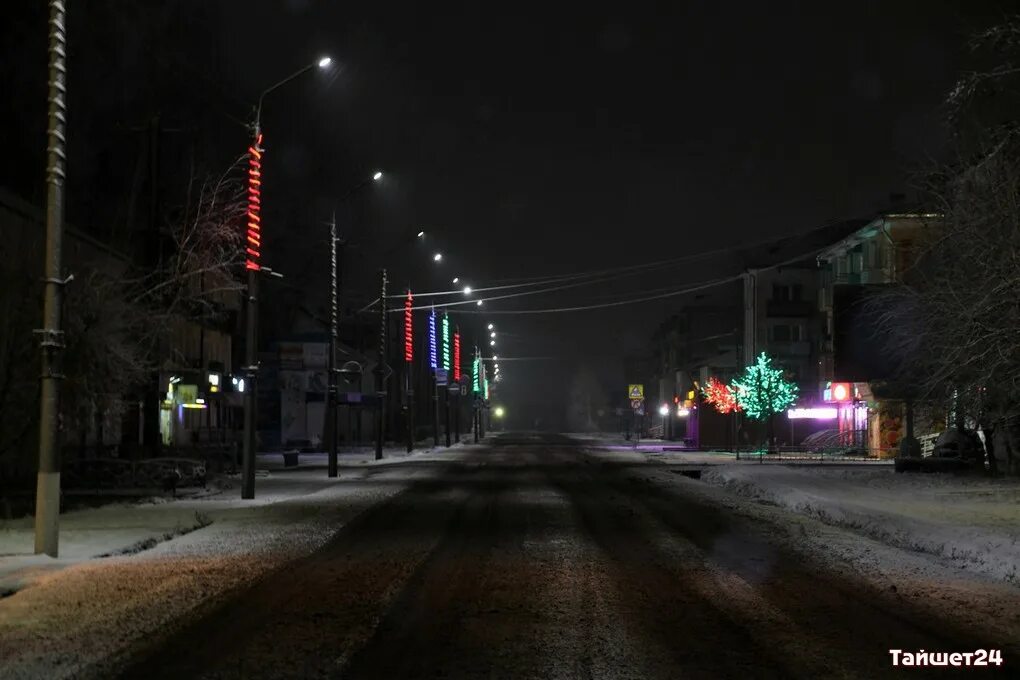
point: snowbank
(971, 522)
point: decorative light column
(408, 367)
(253, 255)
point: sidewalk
(119, 529)
(971, 522)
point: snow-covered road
(531, 556)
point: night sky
(528, 139)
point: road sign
(636, 392)
(440, 377)
(637, 403)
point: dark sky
(531, 139)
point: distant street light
(456, 279)
(377, 176)
(490, 326)
(467, 290)
(479, 303)
(499, 412)
(492, 343)
(663, 410)
(421, 234)
(324, 62)
(437, 257)
(492, 335)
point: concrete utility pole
(334, 323)
(380, 372)
(251, 369)
(47, 494)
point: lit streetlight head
(492, 335)
(421, 234)
(480, 303)
(456, 279)
(490, 326)
(467, 290)
(325, 62)
(663, 410)
(498, 412)
(492, 343)
(377, 176)
(437, 257)
(495, 358)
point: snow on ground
(971, 522)
(72, 615)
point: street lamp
(492, 335)
(421, 234)
(492, 343)
(456, 279)
(253, 265)
(437, 257)
(480, 302)
(467, 290)
(490, 326)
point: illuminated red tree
(721, 396)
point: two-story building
(852, 269)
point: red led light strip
(253, 251)
(456, 356)
(408, 335)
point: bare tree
(117, 317)
(953, 322)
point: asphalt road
(532, 559)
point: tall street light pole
(381, 372)
(336, 245)
(47, 494)
(253, 257)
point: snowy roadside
(946, 588)
(72, 616)
(971, 523)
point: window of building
(793, 292)
(787, 332)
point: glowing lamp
(814, 413)
(253, 235)
(324, 62)
(841, 391)
(663, 410)
(498, 412)
(682, 412)
(446, 342)
(377, 176)
(456, 356)
(408, 331)
(433, 354)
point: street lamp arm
(292, 76)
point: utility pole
(380, 372)
(47, 494)
(251, 369)
(252, 266)
(334, 322)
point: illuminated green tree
(762, 392)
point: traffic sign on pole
(636, 392)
